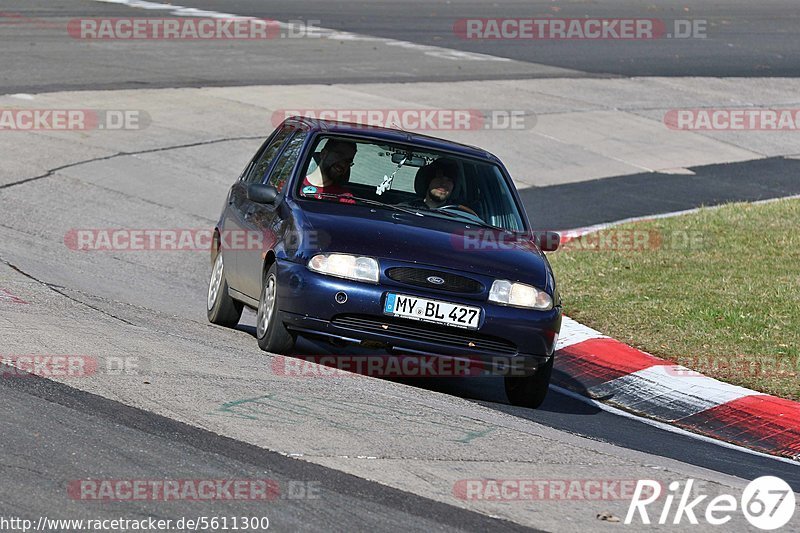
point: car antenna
(397, 127)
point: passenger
(441, 176)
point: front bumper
(525, 338)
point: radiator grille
(419, 278)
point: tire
(271, 332)
(529, 391)
(222, 310)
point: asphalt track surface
(586, 203)
(52, 432)
(743, 39)
(69, 433)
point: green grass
(726, 303)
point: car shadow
(488, 391)
(251, 330)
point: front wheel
(271, 332)
(221, 308)
(529, 391)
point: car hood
(428, 240)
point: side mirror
(262, 194)
(547, 241)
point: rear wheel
(221, 308)
(530, 391)
(271, 332)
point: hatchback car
(379, 237)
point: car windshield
(406, 178)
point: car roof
(389, 134)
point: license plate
(438, 312)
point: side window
(286, 162)
(265, 161)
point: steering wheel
(471, 214)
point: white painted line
(668, 427)
(669, 392)
(680, 378)
(573, 332)
(324, 33)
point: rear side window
(259, 171)
(286, 161)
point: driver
(441, 182)
(333, 169)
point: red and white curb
(598, 367)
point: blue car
(388, 239)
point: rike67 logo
(768, 503)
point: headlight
(519, 295)
(346, 266)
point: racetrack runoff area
(547, 131)
(173, 172)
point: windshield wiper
(467, 220)
(370, 202)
